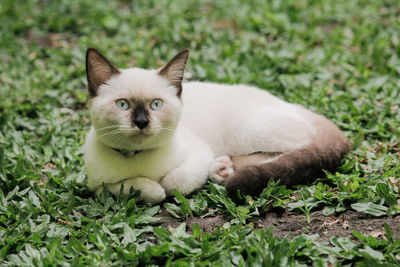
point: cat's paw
(221, 169)
(156, 195)
(150, 191)
(183, 179)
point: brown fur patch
(173, 70)
(98, 70)
(294, 167)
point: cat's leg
(221, 168)
(191, 174)
(150, 191)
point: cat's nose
(141, 122)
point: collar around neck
(126, 153)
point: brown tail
(293, 167)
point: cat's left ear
(98, 70)
(174, 69)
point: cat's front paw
(221, 169)
(183, 179)
(150, 191)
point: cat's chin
(141, 140)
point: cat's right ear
(174, 69)
(98, 70)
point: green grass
(339, 58)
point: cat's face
(134, 109)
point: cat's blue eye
(122, 104)
(156, 104)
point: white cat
(254, 135)
(136, 138)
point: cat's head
(134, 109)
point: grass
(339, 58)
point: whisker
(107, 127)
(110, 133)
(122, 126)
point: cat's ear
(98, 70)
(174, 69)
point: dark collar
(126, 153)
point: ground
(337, 58)
(291, 224)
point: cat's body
(241, 120)
(264, 136)
(254, 135)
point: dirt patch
(293, 224)
(327, 227)
(208, 224)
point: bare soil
(292, 224)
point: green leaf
(185, 205)
(35, 200)
(328, 211)
(144, 219)
(161, 232)
(180, 231)
(131, 207)
(382, 189)
(57, 231)
(129, 235)
(371, 253)
(389, 232)
(370, 208)
(152, 211)
(173, 209)
(196, 231)
(2, 170)
(391, 200)
(344, 243)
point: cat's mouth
(142, 133)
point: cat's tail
(293, 167)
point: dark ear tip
(91, 50)
(184, 54)
(186, 51)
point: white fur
(240, 119)
(180, 164)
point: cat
(253, 135)
(136, 138)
